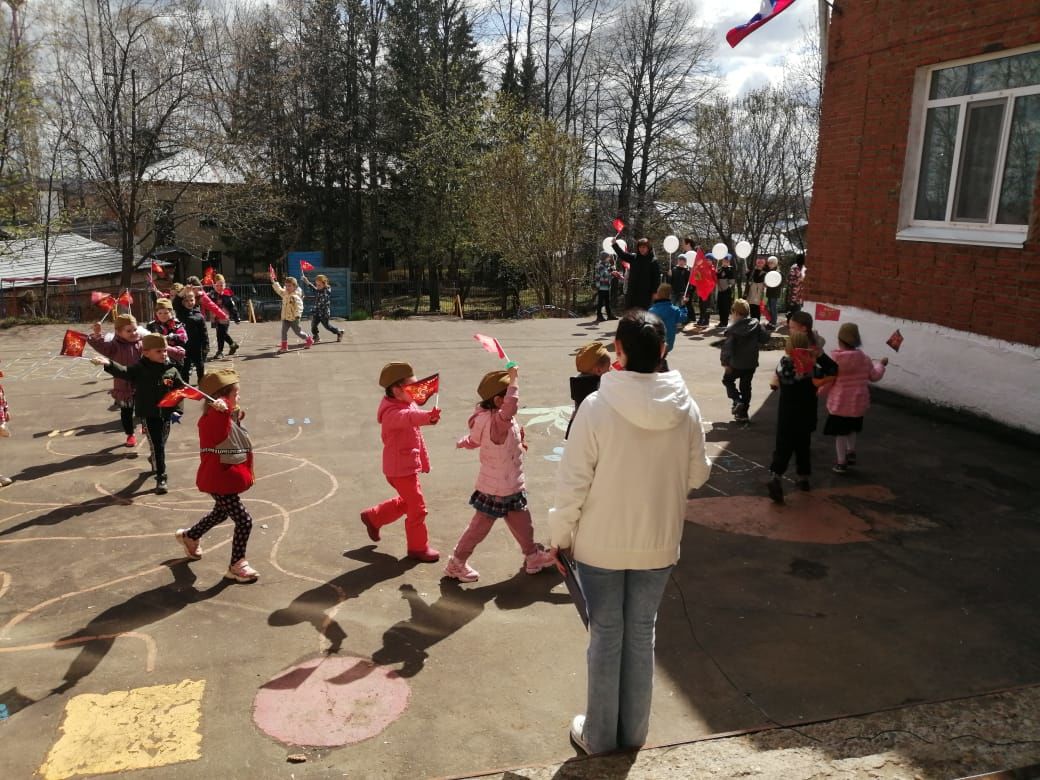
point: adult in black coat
(644, 274)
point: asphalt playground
(907, 584)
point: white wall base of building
(996, 379)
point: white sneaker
(192, 547)
(578, 736)
(461, 571)
(241, 571)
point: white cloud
(761, 57)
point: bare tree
(130, 76)
(660, 63)
(19, 158)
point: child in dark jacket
(592, 362)
(198, 337)
(404, 457)
(225, 471)
(152, 377)
(740, 357)
(167, 325)
(796, 413)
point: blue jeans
(622, 612)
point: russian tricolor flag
(769, 10)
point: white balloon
(623, 244)
(743, 249)
(720, 250)
(671, 243)
(608, 244)
(773, 279)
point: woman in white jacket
(620, 509)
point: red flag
(305, 266)
(73, 343)
(422, 390)
(895, 340)
(126, 299)
(156, 268)
(174, 397)
(625, 264)
(270, 270)
(804, 360)
(704, 275)
(618, 224)
(103, 300)
(825, 312)
(491, 345)
(769, 10)
(207, 278)
(616, 365)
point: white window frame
(948, 231)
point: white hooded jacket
(635, 450)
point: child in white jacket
(292, 310)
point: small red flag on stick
(491, 345)
(305, 266)
(126, 299)
(156, 268)
(618, 224)
(804, 360)
(174, 397)
(825, 312)
(422, 390)
(895, 340)
(73, 343)
(207, 278)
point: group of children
(803, 373)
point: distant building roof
(191, 166)
(71, 257)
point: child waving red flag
(176, 395)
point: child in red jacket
(404, 456)
(225, 471)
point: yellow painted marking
(127, 730)
(69, 433)
(52, 434)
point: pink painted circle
(330, 701)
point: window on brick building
(974, 151)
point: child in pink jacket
(499, 491)
(404, 456)
(848, 397)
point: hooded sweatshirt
(743, 340)
(621, 489)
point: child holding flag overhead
(292, 310)
(151, 378)
(322, 306)
(124, 347)
(500, 490)
(225, 472)
(404, 457)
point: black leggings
(603, 301)
(158, 431)
(196, 359)
(226, 506)
(322, 320)
(797, 443)
(126, 417)
(223, 337)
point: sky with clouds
(759, 58)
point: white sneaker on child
(538, 560)
(460, 570)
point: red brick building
(926, 205)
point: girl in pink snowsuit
(404, 456)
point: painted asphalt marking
(843, 515)
(126, 730)
(330, 701)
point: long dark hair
(641, 335)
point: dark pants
(603, 301)
(192, 358)
(323, 320)
(705, 317)
(223, 337)
(226, 506)
(741, 377)
(126, 417)
(725, 299)
(796, 443)
(756, 311)
(158, 430)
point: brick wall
(875, 48)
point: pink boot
(309, 343)
(284, 347)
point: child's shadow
(407, 641)
(312, 605)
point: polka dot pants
(227, 506)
